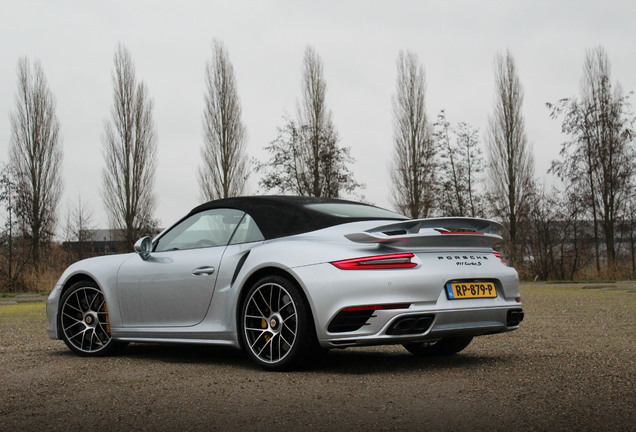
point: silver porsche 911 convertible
(286, 277)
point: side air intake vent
(348, 321)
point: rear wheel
(84, 322)
(276, 325)
(442, 347)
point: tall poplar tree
(225, 168)
(130, 147)
(36, 154)
(413, 168)
(511, 164)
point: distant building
(99, 242)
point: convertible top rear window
(353, 211)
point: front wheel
(276, 324)
(442, 347)
(84, 322)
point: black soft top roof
(281, 216)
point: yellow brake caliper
(264, 325)
(107, 320)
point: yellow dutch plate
(470, 290)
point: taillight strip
(498, 255)
(377, 307)
(377, 262)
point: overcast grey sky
(358, 42)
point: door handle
(203, 271)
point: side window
(247, 231)
(205, 229)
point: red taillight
(498, 255)
(377, 307)
(392, 261)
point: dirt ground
(570, 367)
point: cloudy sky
(358, 42)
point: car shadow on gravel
(187, 354)
(176, 353)
(350, 361)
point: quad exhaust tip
(515, 316)
(412, 324)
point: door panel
(165, 291)
(174, 286)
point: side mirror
(143, 247)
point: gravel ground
(570, 367)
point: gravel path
(570, 367)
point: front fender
(103, 270)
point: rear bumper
(445, 323)
(418, 292)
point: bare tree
(305, 157)
(599, 156)
(511, 165)
(36, 153)
(314, 116)
(413, 168)
(630, 228)
(224, 172)
(79, 222)
(129, 153)
(15, 254)
(461, 164)
(556, 235)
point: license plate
(469, 290)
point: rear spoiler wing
(433, 232)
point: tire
(276, 326)
(83, 321)
(442, 347)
